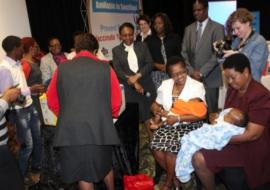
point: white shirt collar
(128, 47)
(204, 23)
(148, 34)
(12, 61)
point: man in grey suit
(198, 52)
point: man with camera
(197, 50)
(22, 113)
(10, 177)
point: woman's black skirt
(90, 163)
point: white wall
(219, 11)
(13, 20)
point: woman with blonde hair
(247, 41)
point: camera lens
(223, 45)
(20, 100)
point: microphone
(147, 94)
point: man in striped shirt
(10, 177)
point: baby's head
(236, 117)
(195, 100)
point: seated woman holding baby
(214, 136)
(244, 163)
(178, 89)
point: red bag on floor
(138, 182)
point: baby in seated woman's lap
(224, 125)
(194, 106)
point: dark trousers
(50, 160)
(10, 177)
(212, 99)
(233, 178)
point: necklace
(177, 90)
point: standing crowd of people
(176, 86)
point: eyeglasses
(180, 73)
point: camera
(222, 45)
(20, 100)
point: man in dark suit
(198, 52)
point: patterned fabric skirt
(167, 138)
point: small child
(194, 106)
(233, 116)
(230, 122)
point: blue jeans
(28, 131)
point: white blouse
(192, 89)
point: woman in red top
(249, 151)
(30, 64)
(33, 77)
(85, 94)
